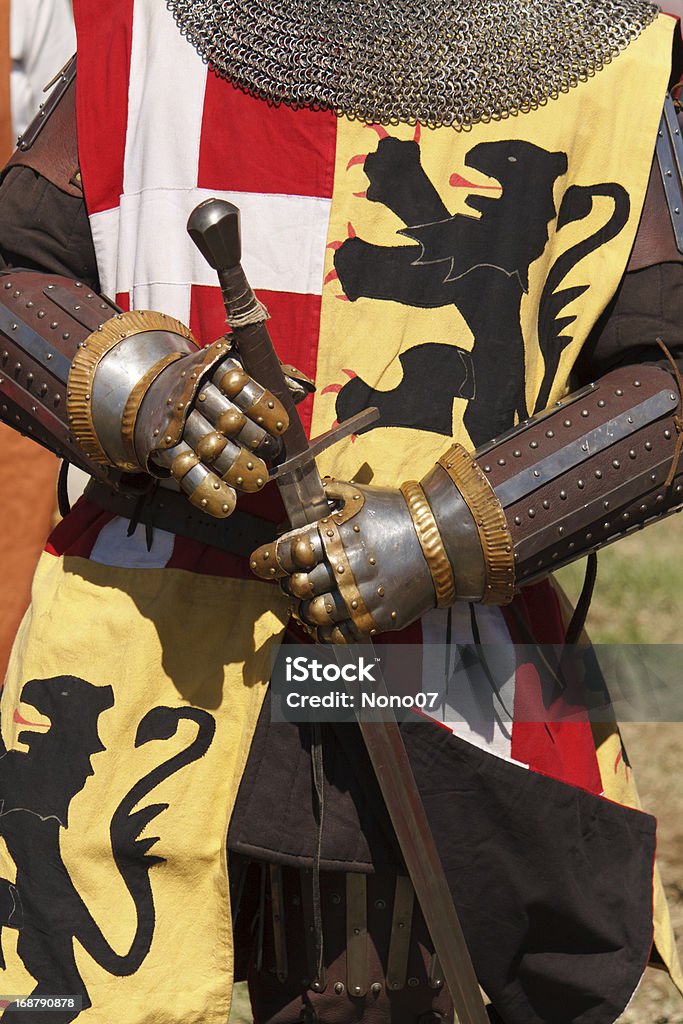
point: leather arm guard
(120, 393)
(596, 466)
(44, 319)
(599, 464)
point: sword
(214, 226)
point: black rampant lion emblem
(478, 263)
(36, 790)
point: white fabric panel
(283, 239)
(42, 38)
(105, 234)
(474, 711)
(113, 547)
(167, 75)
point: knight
(468, 217)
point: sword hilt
(214, 227)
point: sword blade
(214, 226)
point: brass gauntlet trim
(489, 517)
(88, 357)
(431, 542)
(345, 580)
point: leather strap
(655, 242)
(239, 535)
(49, 145)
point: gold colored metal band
(489, 517)
(344, 578)
(89, 356)
(431, 543)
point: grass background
(638, 599)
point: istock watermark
(337, 684)
(481, 687)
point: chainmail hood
(440, 62)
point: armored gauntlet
(131, 392)
(592, 468)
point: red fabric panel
(77, 534)
(564, 750)
(254, 159)
(293, 326)
(104, 50)
(198, 558)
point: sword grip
(214, 227)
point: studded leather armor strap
(591, 469)
(43, 321)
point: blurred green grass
(638, 599)
(639, 589)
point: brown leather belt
(165, 510)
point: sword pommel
(214, 227)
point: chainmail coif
(440, 62)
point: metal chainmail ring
(439, 62)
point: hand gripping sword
(214, 227)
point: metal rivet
(660, 497)
(567, 423)
(616, 463)
(619, 392)
(336, 899)
(563, 495)
(601, 403)
(518, 521)
(605, 504)
(631, 454)
(533, 444)
(584, 412)
(372, 561)
(376, 988)
(636, 383)
(598, 474)
(381, 591)
(339, 988)
(626, 517)
(667, 434)
(580, 484)
(487, 469)
(546, 504)
(589, 536)
(413, 982)
(501, 462)
(531, 513)
(606, 526)
(560, 530)
(648, 446)
(517, 453)
(380, 905)
(550, 433)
